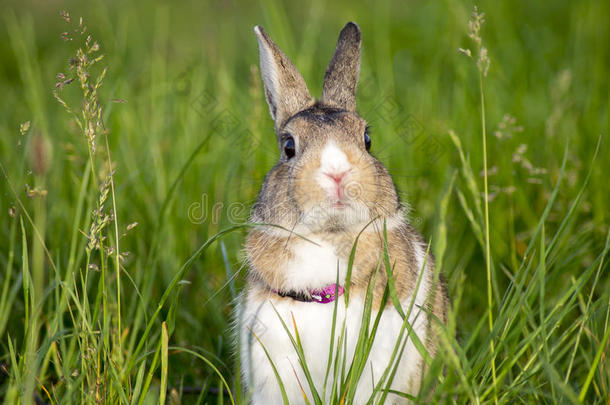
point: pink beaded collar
(321, 296)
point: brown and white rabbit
(325, 189)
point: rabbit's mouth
(335, 214)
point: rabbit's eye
(289, 149)
(367, 140)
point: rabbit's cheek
(307, 192)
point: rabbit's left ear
(342, 73)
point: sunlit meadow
(134, 137)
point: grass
(120, 265)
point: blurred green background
(183, 80)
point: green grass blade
(164, 363)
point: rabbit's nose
(337, 177)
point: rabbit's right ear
(285, 89)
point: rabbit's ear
(342, 73)
(285, 89)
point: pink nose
(337, 177)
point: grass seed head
(475, 24)
(24, 128)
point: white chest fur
(313, 267)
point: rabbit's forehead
(316, 124)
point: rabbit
(326, 191)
